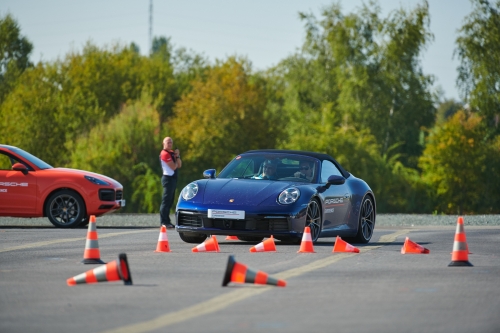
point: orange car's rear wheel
(65, 209)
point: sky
(264, 31)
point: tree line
(355, 90)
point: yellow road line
(66, 240)
(223, 301)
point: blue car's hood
(242, 191)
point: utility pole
(150, 27)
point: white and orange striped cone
(306, 246)
(92, 255)
(114, 271)
(210, 245)
(266, 246)
(163, 241)
(342, 246)
(460, 254)
(411, 247)
(240, 273)
(232, 238)
(461, 221)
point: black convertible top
(319, 156)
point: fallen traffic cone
(306, 246)
(239, 273)
(411, 247)
(163, 241)
(460, 254)
(266, 246)
(210, 245)
(92, 255)
(232, 238)
(113, 271)
(342, 246)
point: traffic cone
(163, 241)
(209, 245)
(92, 255)
(342, 246)
(411, 247)
(461, 220)
(266, 246)
(239, 273)
(232, 238)
(113, 271)
(306, 246)
(460, 254)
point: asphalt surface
(377, 290)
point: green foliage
(367, 68)
(462, 167)
(57, 102)
(478, 49)
(219, 118)
(14, 54)
(126, 149)
(447, 109)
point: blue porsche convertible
(277, 192)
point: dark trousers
(169, 184)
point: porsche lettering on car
(277, 192)
(29, 187)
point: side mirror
(335, 180)
(210, 173)
(20, 167)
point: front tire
(192, 237)
(65, 209)
(366, 221)
(313, 219)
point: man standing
(170, 161)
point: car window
(6, 161)
(328, 169)
(280, 167)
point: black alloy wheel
(65, 209)
(366, 221)
(313, 219)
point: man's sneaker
(169, 226)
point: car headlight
(96, 181)
(189, 191)
(289, 196)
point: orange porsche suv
(29, 187)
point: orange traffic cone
(266, 246)
(342, 246)
(306, 246)
(411, 247)
(163, 241)
(239, 273)
(461, 220)
(92, 255)
(113, 271)
(460, 254)
(231, 238)
(209, 245)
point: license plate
(226, 214)
(122, 203)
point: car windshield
(280, 167)
(30, 158)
